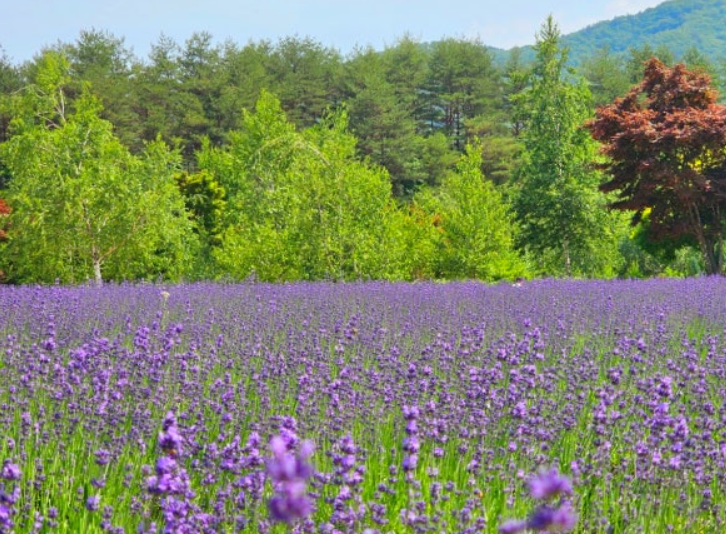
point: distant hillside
(676, 24)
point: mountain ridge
(679, 25)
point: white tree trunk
(96, 259)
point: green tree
(558, 206)
(205, 200)
(406, 69)
(304, 76)
(476, 238)
(162, 103)
(515, 78)
(607, 76)
(204, 79)
(385, 128)
(437, 158)
(83, 206)
(4, 212)
(301, 206)
(696, 61)
(102, 60)
(10, 81)
(462, 82)
(247, 74)
(500, 148)
(183, 94)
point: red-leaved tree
(666, 144)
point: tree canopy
(288, 160)
(666, 144)
(82, 206)
(558, 206)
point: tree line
(288, 161)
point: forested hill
(679, 25)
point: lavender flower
(561, 519)
(93, 502)
(513, 526)
(548, 485)
(546, 518)
(411, 444)
(170, 440)
(289, 474)
(10, 471)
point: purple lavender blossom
(6, 518)
(546, 486)
(10, 471)
(502, 381)
(103, 456)
(170, 440)
(289, 474)
(93, 502)
(512, 526)
(545, 518)
(549, 485)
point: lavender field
(371, 407)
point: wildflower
(289, 474)
(411, 443)
(549, 485)
(10, 471)
(513, 526)
(103, 457)
(546, 517)
(6, 517)
(92, 503)
(170, 440)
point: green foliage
(103, 61)
(205, 199)
(83, 207)
(411, 237)
(638, 58)
(500, 150)
(664, 250)
(462, 83)
(301, 205)
(688, 261)
(559, 209)
(607, 76)
(10, 81)
(406, 66)
(246, 72)
(644, 256)
(476, 238)
(382, 123)
(304, 75)
(696, 61)
(259, 188)
(437, 158)
(179, 94)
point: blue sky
(28, 25)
